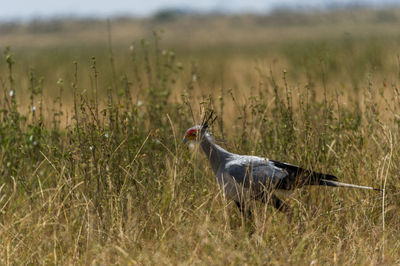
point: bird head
(197, 132)
(192, 134)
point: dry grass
(96, 172)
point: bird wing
(299, 176)
(255, 171)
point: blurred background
(229, 44)
(99, 9)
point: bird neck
(215, 153)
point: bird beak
(184, 140)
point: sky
(29, 9)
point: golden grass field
(93, 113)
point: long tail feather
(300, 177)
(331, 183)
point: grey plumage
(257, 177)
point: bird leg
(272, 199)
(246, 212)
(279, 204)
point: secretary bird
(260, 178)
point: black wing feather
(299, 177)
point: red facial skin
(191, 134)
